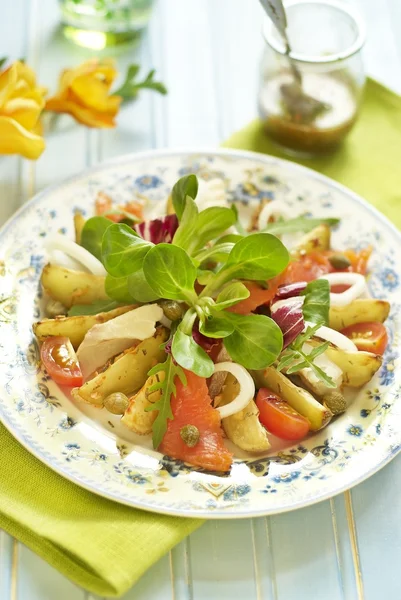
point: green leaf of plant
(258, 256)
(167, 385)
(230, 238)
(123, 251)
(256, 341)
(140, 289)
(189, 355)
(216, 326)
(130, 88)
(218, 253)
(304, 224)
(93, 309)
(186, 186)
(186, 231)
(230, 295)
(170, 273)
(211, 223)
(317, 302)
(92, 235)
(3, 60)
(117, 289)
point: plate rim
(188, 151)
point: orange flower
(21, 103)
(84, 94)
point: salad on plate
(211, 337)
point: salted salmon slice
(192, 405)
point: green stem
(188, 321)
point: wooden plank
(156, 584)
(304, 554)
(7, 572)
(38, 581)
(222, 561)
(377, 513)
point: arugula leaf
(231, 294)
(167, 372)
(186, 230)
(186, 186)
(117, 289)
(139, 288)
(256, 341)
(170, 273)
(293, 359)
(304, 224)
(130, 88)
(92, 235)
(93, 309)
(123, 251)
(216, 326)
(189, 355)
(317, 301)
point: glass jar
(100, 23)
(309, 104)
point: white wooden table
(207, 52)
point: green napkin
(101, 545)
(106, 547)
(369, 162)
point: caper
(172, 309)
(190, 435)
(54, 308)
(116, 403)
(339, 261)
(335, 402)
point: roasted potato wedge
(136, 417)
(243, 428)
(74, 328)
(358, 367)
(79, 222)
(72, 287)
(301, 400)
(315, 241)
(361, 310)
(127, 373)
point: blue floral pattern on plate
(93, 449)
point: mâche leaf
(93, 309)
(140, 289)
(216, 326)
(189, 355)
(186, 231)
(92, 235)
(186, 186)
(256, 341)
(117, 289)
(170, 273)
(123, 251)
(231, 294)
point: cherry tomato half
(279, 417)
(60, 361)
(370, 337)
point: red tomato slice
(370, 337)
(60, 361)
(279, 417)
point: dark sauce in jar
(314, 120)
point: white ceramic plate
(92, 449)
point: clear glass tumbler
(309, 106)
(100, 23)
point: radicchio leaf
(158, 231)
(290, 290)
(288, 316)
(203, 341)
